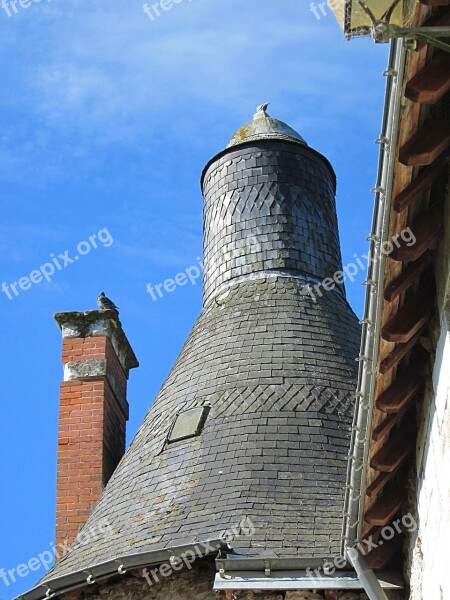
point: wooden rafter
(383, 429)
(385, 508)
(432, 82)
(426, 145)
(401, 393)
(435, 2)
(408, 277)
(372, 533)
(393, 453)
(426, 229)
(410, 319)
(441, 19)
(385, 552)
(399, 352)
(379, 482)
(419, 185)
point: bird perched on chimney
(105, 303)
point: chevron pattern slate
(269, 206)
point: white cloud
(101, 74)
(110, 64)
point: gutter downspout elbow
(366, 575)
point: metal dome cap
(264, 127)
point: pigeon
(262, 107)
(105, 303)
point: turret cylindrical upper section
(269, 205)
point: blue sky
(106, 121)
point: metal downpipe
(366, 576)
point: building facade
(400, 458)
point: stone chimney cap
(98, 323)
(264, 127)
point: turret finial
(261, 111)
(264, 127)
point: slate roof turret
(270, 364)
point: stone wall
(294, 595)
(194, 584)
(302, 595)
(428, 558)
(197, 584)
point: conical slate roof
(271, 360)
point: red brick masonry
(91, 438)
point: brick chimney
(93, 412)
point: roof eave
(370, 340)
(118, 566)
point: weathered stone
(193, 584)
(397, 595)
(98, 323)
(428, 522)
(93, 369)
(303, 595)
(255, 595)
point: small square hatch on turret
(188, 423)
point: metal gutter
(240, 572)
(119, 566)
(300, 580)
(370, 341)
(239, 562)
